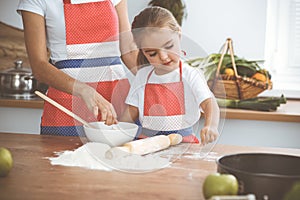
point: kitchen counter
(34, 102)
(33, 176)
(289, 112)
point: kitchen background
(207, 25)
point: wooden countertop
(289, 112)
(22, 103)
(33, 176)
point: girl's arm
(209, 132)
(130, 114)
(35, 41)
(128, 48)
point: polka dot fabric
(164, 105)
(63, 130)
(81, 17)
(88, 26)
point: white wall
(8, 13)
(208, 24)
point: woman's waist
(93, 70)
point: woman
(85, 72)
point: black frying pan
(268, 176)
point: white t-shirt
(195, 90)
(53, 12)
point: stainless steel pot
(17, 82)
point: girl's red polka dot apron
(93, 57)
(164, 110)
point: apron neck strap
(69, 1)
(180, 72)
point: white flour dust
(211, 156)
(92, 156)
(78, 158)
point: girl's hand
(208, 134)
(95, 103)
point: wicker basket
(236, 86)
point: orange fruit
(260, 77)
(229, 72)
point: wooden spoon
(60, 107)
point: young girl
(167, 95)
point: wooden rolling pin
(144, 146)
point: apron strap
(69, 1)
(180, 72)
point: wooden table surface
(33, 176)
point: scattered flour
(92, 156)
(211, 156)
(78, 158)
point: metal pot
(267, 176)
(17, 82)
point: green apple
(220, 184)
(6, 161)
(294, 193)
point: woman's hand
(95, 103)
(208, 134)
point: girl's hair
(151, 17)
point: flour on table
(92, 156)
(78, 158)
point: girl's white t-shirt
(195, 90)
(53, 12)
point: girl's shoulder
(115, 2)
(187, 69)
(144, 71)
(192, 73)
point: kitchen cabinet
(33, 176)
(20, 116)
(238, 127)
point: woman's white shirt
(53, 12)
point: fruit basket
(235, 78)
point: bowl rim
(135, 126)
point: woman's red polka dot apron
(93, 57)
(164, 109)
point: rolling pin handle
(175, 139)
(117, 152)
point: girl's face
(161, 47)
